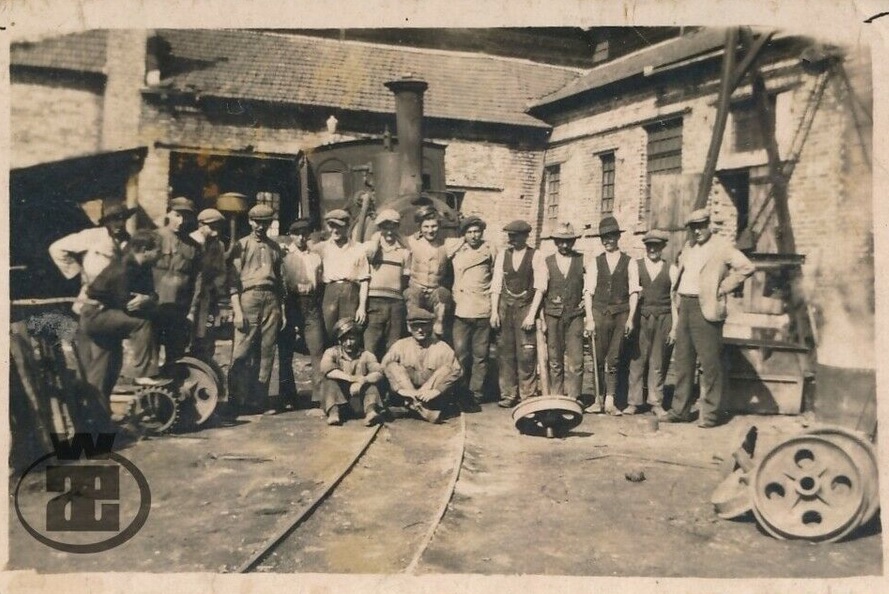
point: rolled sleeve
(590, 276)
(497, 276)
(541, 274)
(633, 278)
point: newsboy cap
(518, 226)
(656, 236)
(181, 203)
(418, 314)
(116, 211)
(261, 212)
(298, 226)
(701, 215)
(388, 215)
(472, 221)
(343, 327)
(338, 217)
(609, 225)
(210, 215)
(565, 231)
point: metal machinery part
(201, 387)
(156, 409)
(731, 498)
(552, 416)
(808, 488)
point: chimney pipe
(409, 129)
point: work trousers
(651, 356)
(472, 343)
(697, 338)
(304, 333)
(385, 324)
(609, 338)
(340, 301)
(517, 350)
(173, 330)
(336, 393)
(564, 347)
(253, 351)
(107, 328)
(426, 298)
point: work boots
(609, 406)
(597, 407)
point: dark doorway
(737, 185)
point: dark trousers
(564, 347)
(340, 301)
(517, 350)
(303, 312)
(173, 330)
(107, 328)
(385, 324)
(253, 351)
(426, 298)
(336, 393)
(697, 338)
(609, 338)
(472, 343)
(650, 359)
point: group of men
(405, 320)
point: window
(607, 182)
(745, 124)
(600, 52)
(333, 185)
(664, 155)
(272, 199)
(553, 174)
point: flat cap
(427, 211)
(472, 221)
(343, 327)
(609, 225)
(116, 211)
(210, 215)
(338, 217)
(565, 231)
(518, 226)
(181, 203)
(418, 314)
(656, 236)
(299, 226)
(701, 215)
(388, 215)
(261, 212)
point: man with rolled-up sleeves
(345, 272)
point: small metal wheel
(201, 387)
(862, 451)
(157, 409)
(808, 488)
(550, 416)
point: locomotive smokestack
(409, 130)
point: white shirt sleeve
(633, 277)
(497, 273)
(591, 276)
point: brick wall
(125, 68)
(50, 122)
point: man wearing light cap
(210, 282)
(390, 264)
(351, 375)
(517, 287)
(175, 275)
(473, 261)
(422, 370)
(256, 289)
(656, 329)
(345, 272)
(429, 267)
(304, 330)
(709, 269)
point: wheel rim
(202, 384)
(547, 415)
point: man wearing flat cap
(709, 269)
(422, 370)
(517, 287)
(429, 267)
(472, 259)
(390, 265)
(610, 298)
(210, 282)
(175, 276)
(345, 272)
(656, 328)
(304, 330)
(563, 312)
(351, 376)
(256, 289)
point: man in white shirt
(610, 298)
(345, 272)
(656, 328)
(517, 289)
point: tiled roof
(680, 48)
(350, 75)
(81, 52)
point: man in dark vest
(656, 325)
(563, 314)
(610, 298)
(517, 289)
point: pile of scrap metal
(819, 486)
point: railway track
(356, 524)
